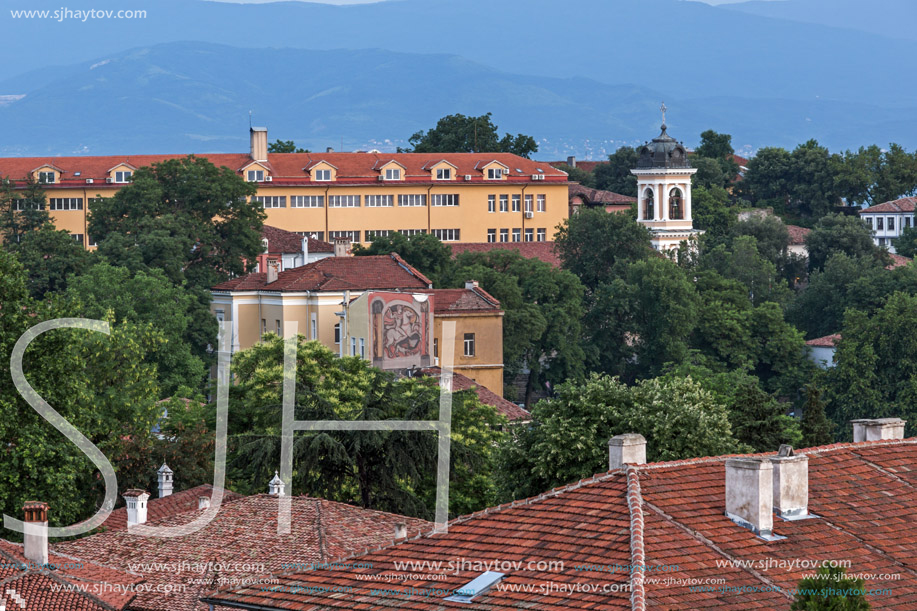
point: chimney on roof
(571, 161)
(272, 270)
(203, 502)
(305, 249)
(165, 480)
(329, 150)
(276, 485)
(36, 532)
(471, 284)
(791, 484)
(401, 530)
(874, 429)
(342, 247)
(626, 449)
(136, 506)
(258, 143)
(750, 494)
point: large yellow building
(459, 197)
(330, 301)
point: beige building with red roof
(288, 249)
(318, 298)
(456, 196)
(724, 532)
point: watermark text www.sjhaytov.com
(67, 14)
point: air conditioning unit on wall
(529, 214)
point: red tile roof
(898, 261)
(596, 197)
(586, 166)
(455, 301)
(159, 508)
(543, 251)
(283, 241)
(827, 341)
(292, 168)
(797, 234)
(487, 396)
(240, 543)
(864, 497)
(106, 588)
(905, 204)
(337, 274)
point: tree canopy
(616, 175)
(284, 146)
(464, 134)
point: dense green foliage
(830, 590)
(460, 134)
(423, 250)
(284, 146)
(616, 175)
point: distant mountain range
(582, 77)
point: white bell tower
(664, 190)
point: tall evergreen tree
(816, 428)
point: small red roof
(283, 241)
(797, 234)
(461, 382)
(905, 204)
(898, 261)
(543, 251)
(827, 341)
(596, 197)
(336, 274)
(455, 301)
(45, 588)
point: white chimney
(791, 484)
(750, 494)
(305, 249)
(571, 161)
(276, 485)
(341, 247)
(165, 480)
(876, 429)
(203, 502)
(36, 532)
(258, 143)
(626, 449)
(329, 150)
(471, 284)
(401, 530)
(272, 270)
(136, 506)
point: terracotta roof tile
(337, 274)
(863, 495)
(455, 301)
(599, 197)
(487, 396)
(104, 588)
(292, 168)
(828, 341)
(158, 508)
(797, 234)
(240, 543)
(898, 261)
(905, 204)
(543, 251)
(283, 241)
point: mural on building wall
(402, 326)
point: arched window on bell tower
(676, 205)
(648, 208)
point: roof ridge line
(736, 563)
(637, 549)
(886, 472)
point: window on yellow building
(279, 332)
(337, 333)
(321, 175)
(516, 200)
(491, 203)
(542, 203)
(263, 326)
(528, 203)
(379, 201)
(412, 199)
(494, 173)
(123, 176)
(46, 178)
(447, 235)
(393, 174)
(491, 235)
(504, 235)
(529, 235)
(65, 203)
(542, 235)
(343, 201)
(445, 199)
(307, 201)
(504, 203)
(517, 234)
(256, 176)
(469, 344)
(444, 174)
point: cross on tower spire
(663, 109)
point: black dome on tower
(663, 152)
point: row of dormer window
(50, 177)
(326, 175)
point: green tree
(906, 244)
(615, 175)
(543, 311)
(597, 246)
(423, 250)
(871, 176)
(717, 147)
(875, 375)
(100, 383)
(817, 430)
(187, 217)
(587, 179)
(284, 146)
(759, 421)
(711, 210)
(768, 180)
(709, 174)
(836, 233)
(770, 233)
(50, 257)
(830, 590)
(569, 440)
(21, 212)
(742, 262)
(146, 297)
(387, 470)
(461, 134)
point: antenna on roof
(249, 119)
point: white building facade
(889, 219)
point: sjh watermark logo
(442, 426)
